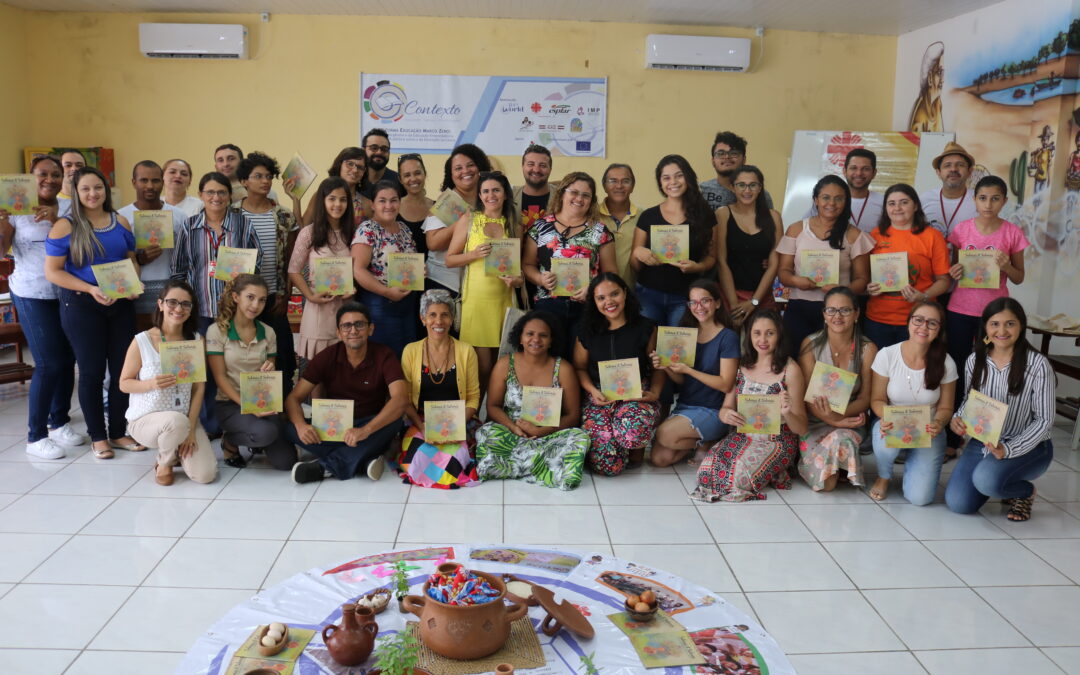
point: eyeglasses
(720, 154)
(216, 193)
(350, 326)
(407, 156)
(704, 302)
(748, 186)
(260, 176)
(577, 193)
(378, 148)
(173, 303)
(618, 181)
(932, 324)
(353, 164)
(842, 311)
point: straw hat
(953, 148)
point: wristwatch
(755, 302)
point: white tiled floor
(103, 571)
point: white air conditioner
(694, 52)
(193, 40)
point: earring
(986, 339)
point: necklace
(434, 370)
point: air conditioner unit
(694, 52)
(193, 40)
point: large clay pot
(351, 643)
(465, 631)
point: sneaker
(65, 435)
(46, 448)
(307, 472)
(375, 468)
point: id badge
(212, 267)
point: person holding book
(915, 372)
(485, 299)
(573, 230)
(162, 413)
(1004, 367)
(614, 327)
(438, 368)
(746, 234)
(239, 342)
(462, 175)
(743, 464)
(328, 236)
(695, 419)
(986, 232)
(177, 181)
(831, 444)
(829, 231)
(392, 308)
(510, 446)
(365, 373)
(38, 306)
(662, 287)
(903, 228)
(97, 326)
(620, 215)
(350, 165)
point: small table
(1069, 366)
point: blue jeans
(54, 365)
(922, 470)
(884, 334)
(345, 461)
(569, 314)
(664, 308)
(802, 318)
(978, 478)
(100, 337)
(395, 322)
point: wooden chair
(12, 333)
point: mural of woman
(926, 113)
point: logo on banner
(536, 107)
(840, 145)
(385, 101)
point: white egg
(274, 634)
(278, 628)
(269, 641)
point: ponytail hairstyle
(700, 217)
(320, 224)
(918, 221)
(191, 325)
(227, 303)
(843, 221)
(720, 314)
(938, 351)
(85, 245)
(783, 350)
(1021, 350)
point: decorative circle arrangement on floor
(571, 613)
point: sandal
(879, 492)
(1020, 509)
(104, 453)
(163, 475)
(133, 446)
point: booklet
(676, 345)
(660, 642)
(835, 384)
(153, 228)
(118, 279)
(761, 412)
(18, 194)
(404, 270)
(821, 267)
(909, 426)
(297, 176)
(333, 276)
(331, 418)
(449, 206)
(504, 259)
(670, 243)
(984, 417)
(889, 270)
(232, 262)
(620, 379)
(571, 275)
(444, 421)
(260, 393)
(541, 406)
(980, 269)
(186, 360)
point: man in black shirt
(376, 144)
(532, 197)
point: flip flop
(104, 453)
(130, 447)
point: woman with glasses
(831, 445)
(620, 215)
(695, 419)
(462, 175)
(915, 372)
(830, 230)
(746, 236)
(161, 413)
(573, 230)
(350, 165)
(904, 229)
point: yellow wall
(300, 89)
(14, 81)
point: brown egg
(641, 607)
(649, 597)
(632, 601)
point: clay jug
(465, 631)
(351, 643)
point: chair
(12, 333)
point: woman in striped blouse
(1006, 368)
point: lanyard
(863, 209)
(941, 202)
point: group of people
(390, 350)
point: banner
(502, 115)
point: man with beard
(70, 162)
(728, 156)
(860, 167)
(954, 202)
(227, 160)
(376, 144)
(532, 197)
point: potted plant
(398, 654)
(400, 583)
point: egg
(632, 600)
(269, 641)
(641, 607)
(278, 627)
(649, 597)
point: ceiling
(881, 17)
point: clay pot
(504, 669)
(350, 644)
(466, 631)
(448, 568)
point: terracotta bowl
(262, 671)
(531, 600)
(642, 616)
(377, 609)
(270, 651)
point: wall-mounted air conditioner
(693, 52)
(193, 40)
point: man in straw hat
(953, 203)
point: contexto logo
(385, 101)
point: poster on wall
(502, 115)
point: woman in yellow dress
(484, 298)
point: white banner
(502, 115)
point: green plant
(588, 666)
(398, 654)
(401, 578)
(1018, 176)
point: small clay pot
(504, 669)
(351, 643)
(448, 568)
(262, 671)
(270, 651)
(642, 616)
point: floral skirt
(446, 466)
(614, 430)
(740, 466)
(555, 460)
(825, 450)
